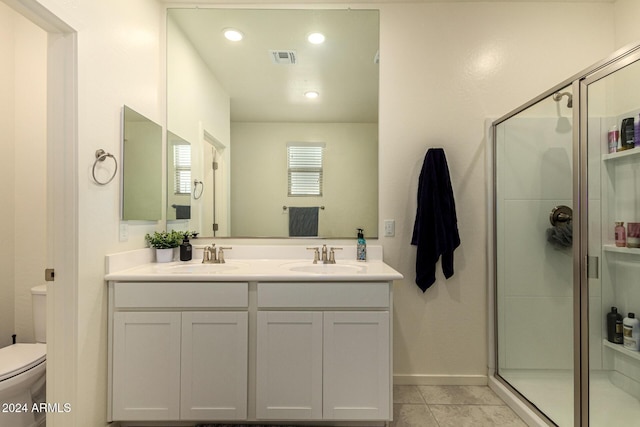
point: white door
(289, 365)
(146, 366)
(356, 366)
(214, 365)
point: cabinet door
(356, 366)
(214, 366)
(146, 366)
(289, 365)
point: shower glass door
(611, 100)
(534, 259)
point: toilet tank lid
(17, 358)
(39, 290)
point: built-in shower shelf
(622, 250)
(625, 153)
(620, 348)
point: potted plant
(164, 242)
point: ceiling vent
(283, 56)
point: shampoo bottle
(613, 137)
(631, 332)
(186, 250)
(620, 234)
(627, 134)
(362, 246)
(636, 131)
(614, 326)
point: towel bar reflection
(101, 155)
(284, 208)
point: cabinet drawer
(181, 295)
(323, 294)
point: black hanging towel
(435, 231)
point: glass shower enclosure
(560, 184)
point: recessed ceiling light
(316, 38)
(312, 94)
(232, 34)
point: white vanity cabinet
(146, 366)
(323, 351)
(178, 351)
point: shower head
(558, 96)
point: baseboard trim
(440, 380)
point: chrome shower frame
(579, 84)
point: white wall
(444, 69)
(626, 22)
(438, 85)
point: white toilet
(22, 372)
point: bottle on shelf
(631, 332)
(614, 326)
(633, 234)
(636, 131)
(620, 234)
(627, 130)
(613, 136)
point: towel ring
(100, 156)
(195, 189)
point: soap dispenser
(362, 246)
(186, 250)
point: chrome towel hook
(101, 155)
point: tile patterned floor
(450, 406)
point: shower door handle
(592, 267)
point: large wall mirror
(141, 167)
(268, 158)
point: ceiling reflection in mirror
(240, 104)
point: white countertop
(287, 263)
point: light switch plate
(124, 231)
(389, 227)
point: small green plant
(190, 234)
(164, 239)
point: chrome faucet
(332, 255)
(212, 256)
(328, 256)
(316, 254)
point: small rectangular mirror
(141, 167)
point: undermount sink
(328, 268)
(199, 268)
